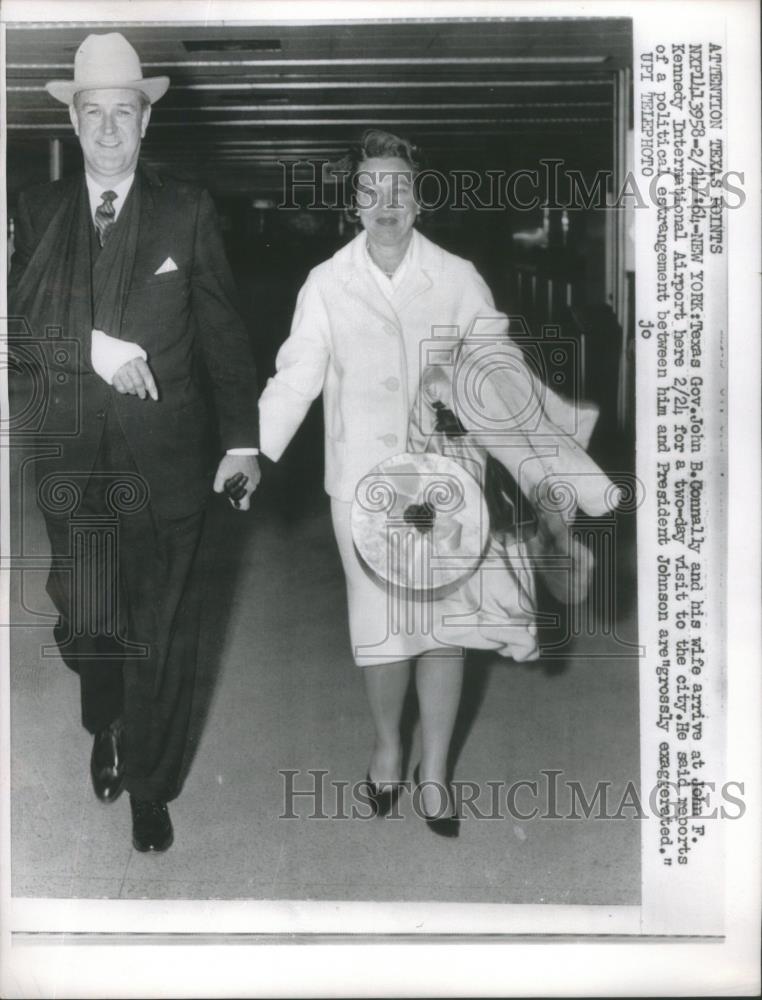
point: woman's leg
(439, 680)
(386, 685)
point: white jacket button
(390, 440)
(392, 383)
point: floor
(279, 692)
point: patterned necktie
(105, 215)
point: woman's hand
(437, 386)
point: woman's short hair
(376, 143)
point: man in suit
(131, 268)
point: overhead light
(233, 45)
(246, 98)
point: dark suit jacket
(183, 318)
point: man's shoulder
(38, 196)
(38, 204)
(172, 189)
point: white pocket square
(166, 267)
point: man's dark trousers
(129, 613)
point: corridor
(280, 693)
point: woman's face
(386, 199)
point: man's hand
(245, 470)
(135, 378)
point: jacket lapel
(114, 265)
(360, 283)
(420, 277)
(415, 283)
(423, 272)
(148, 215)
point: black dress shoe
(151, 825)
(442, 826)
(106, 763)
(382, 799)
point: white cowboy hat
(107, 62)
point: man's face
(109, 125)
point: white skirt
(494, 608)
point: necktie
(105, 215)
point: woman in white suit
(362, 320)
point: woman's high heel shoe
(382, 799)
(443, 826)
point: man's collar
(96, 189)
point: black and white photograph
(366, 477)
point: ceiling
(244, 96)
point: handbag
(532, 525)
